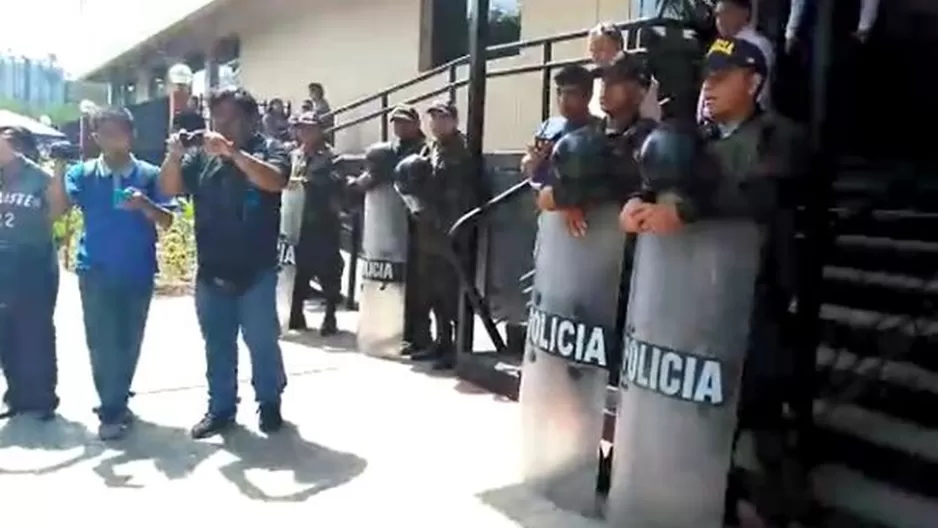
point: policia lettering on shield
(710, 291)
(571, 335)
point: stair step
(867, 333)
(879, 446)
(873, 290)
(898, 389)
(908, 257)
(839, 488)
(896, 224)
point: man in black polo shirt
(235, 179)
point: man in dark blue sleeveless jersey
(235, 178)
(30, 200)
(116, 261)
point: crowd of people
(236, 171)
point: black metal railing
(545, 66)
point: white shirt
(869, 10)
(650, 109)
(764, 98)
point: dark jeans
(27, 340)
(222, 313)
(115, 315)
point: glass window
(449, 23)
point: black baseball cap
(404, 113)
(627, 68)
(443, 107)
(727, 53)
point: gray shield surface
(383, 264)
(564, 377)
(685, 342)
(292, 201)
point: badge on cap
(722, 46)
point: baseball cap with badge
(442, 107)
(404, 113)
(733, 53)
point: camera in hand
(192, 139)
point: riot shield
(685, 342)
(292, 201)
(564, 377)
(383, 263)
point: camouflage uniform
(317, 254)
(450, 193)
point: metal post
(546, 94)
(385, 122)
(453, 72)
(475, 126)
(817, 190)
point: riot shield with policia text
(570, 331)
(292, 202)
(686, 337)
(384, 256)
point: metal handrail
(491, 52)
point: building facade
(31, 82)
(354, 48)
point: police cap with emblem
(444, 108)
(627, 67)
(404, 113)
(731, 53)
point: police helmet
(670, 157)
(413, 173)
(579, 155)
(379, 160)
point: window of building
(446, 29)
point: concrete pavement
(372, 443)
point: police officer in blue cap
(753, 162)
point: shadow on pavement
(314, 466)
(173, 452)
(340, 343)
(58, 434)
(523, 506)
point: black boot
(329, 326)
(429, 353)
(446, 357)
(297, 322)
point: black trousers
(318, 257)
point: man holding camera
(235, 179)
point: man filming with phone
(235, 178)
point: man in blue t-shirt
(235, 177)
(30, 200)
(116, 263)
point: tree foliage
(58, 113)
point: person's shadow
(173, 452)
(314, 467)
(56, 435)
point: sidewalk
(374, 443)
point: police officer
(448, 194)
(30, 201)
(757, 157)
(317, 255)
(410, 139)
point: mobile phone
(192, 139)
